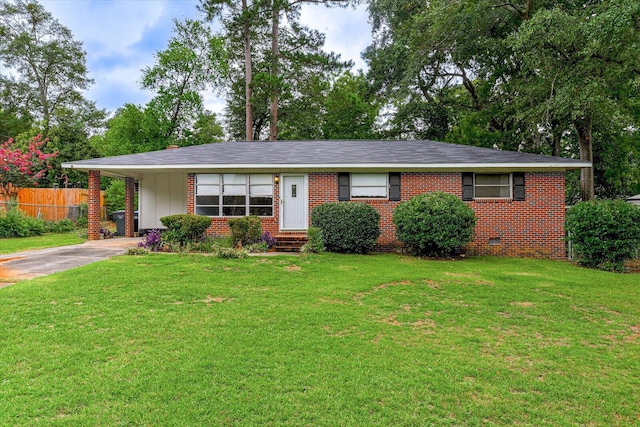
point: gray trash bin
(118, 218)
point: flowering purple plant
(152, 241)
(107, 234)
(268, 239)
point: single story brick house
(518, 197)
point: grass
(322, 340)
(8, 246)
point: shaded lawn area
(8, 246)
(325, 340)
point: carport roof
(316, 155)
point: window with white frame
(374, 185)
(233, 194)
(492, 185)
(208, 194)
(261, 194)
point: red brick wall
(191, 193)
(93, 208)
(129, 216)
(531, 228)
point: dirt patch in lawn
(209, 299)
(635, 333)
(523, 304)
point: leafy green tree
(206, 129)
(131, 130)
(193, 61)
(350, 112)
(15, 117)
(277, 71)
(136, 129)
(305, 70)
(616, 159)
(237, 19)
(541, 76)
(13, 123)
(581, 63)
(115, 195)
(302, 117)
(42, 92)
(49, 65)
(276, 81)
(69, 138)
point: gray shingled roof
(327, 155)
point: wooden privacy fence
(54, 204)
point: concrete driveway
(41, 262)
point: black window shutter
(518, 186)
(467, 186)
(344, 190)
(394, 186)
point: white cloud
(213, 102)
(347, 30)
(120, 38)
(107, 28)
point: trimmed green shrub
(347, 227)
(314, 244)
(246, 229)
(434, 224)
(605, 233)
(184, 228)
(14, 223)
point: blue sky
(121, 36)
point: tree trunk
(585, 142)
(273, 103)
(248, 72)
(557, 143)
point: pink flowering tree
(19, 169)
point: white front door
(293, 197)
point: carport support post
(129, 207)
(93, 231)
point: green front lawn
(330, 340)
(8, 246)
